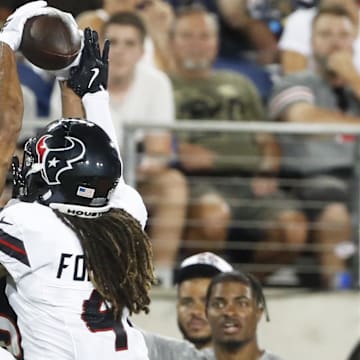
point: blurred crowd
(294, 61)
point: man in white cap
(193, 278)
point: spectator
(246, 45)
(237, 51)
(133, 99)
(295, 44)
(204, 93)
(328, 94)
(235, 304)
(243, 36)
(193, 278)
(274, 12)
(157, 15)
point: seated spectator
(157, 14)
(328, 94)
(193, 278)
(242, 36)
(274, 12)
(140, 93)
(247, 45)
(295, 42)
(202, 93)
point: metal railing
(129, 155)
(130, 160)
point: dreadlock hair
(118, 258)
(243, 278)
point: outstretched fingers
(88, 42)
(105, 55)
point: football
(50, 41)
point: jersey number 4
(98, 319)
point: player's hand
(11, 33)
(91, 75)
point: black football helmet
(71, 165)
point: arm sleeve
(287, 92)
(13, 254)
(97, 110)
(127, 198)
(124, 196)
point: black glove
(91, 75)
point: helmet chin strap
(79, 210)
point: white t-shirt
(149, 99)
(297, 35)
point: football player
(72, 243)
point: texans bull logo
(54, 161)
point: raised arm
(89, 81)
(11, 102)
(71, 104)
(11, 105)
